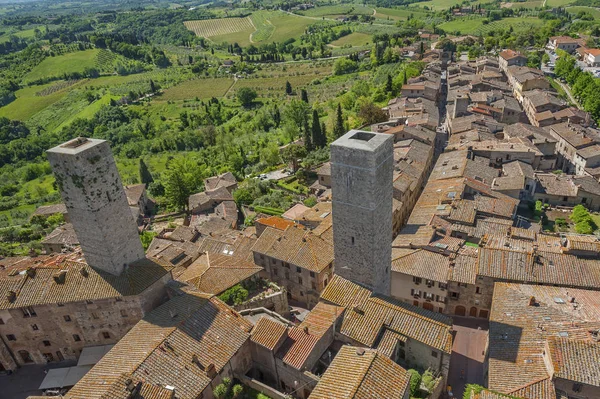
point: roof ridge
(547, 377)
(364, 376)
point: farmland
(400, 13)
(355, 39)
(474, 25)
(66, 63)
(216, 27)
(592, 10)
(201, 88)
(337, 10)
(559, 3)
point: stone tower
(91, 188)
(362, 166)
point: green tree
(220, 391)
(145, 175)
(319, 139)
(579, 213)
(246, 96)
(304, 95)
(182, 178)
(338, 129)
(288, 88)
(296, 113)
(307, 134)
(415, 382)
(369, 113)
(343, 66)
(389, 87)
(291, 154)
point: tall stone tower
(362, 165)
(91, 188)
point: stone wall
(277, 302)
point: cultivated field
(397, 13)
(559, 3)
(201, 88)
(67, 63)
(592, 10)
(20, 33)
(215, 27)
(337, 10)
(354, 39)
(474, 25)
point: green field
(354, 39)
(592, 10)
(337, 10)
(67, 63)
(28, 103)
(21, 33)
(525, 4)
(201, 88)
(474, 25)
(397, 13)
(264, 27)
(558, 3)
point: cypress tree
(145, 175)
(288, 88)
(304, 96)
(388, 86)
(308, 144)
(338, 130)
(318, 139)
(324, 132)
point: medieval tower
(361, 170)
(91, 188)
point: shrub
(579, 213)
(234, 295)
(310, 202)
(586, 226)
(415, 382)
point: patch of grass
(89, 111)
(558, 3)
(592, 10)
(201, 88)
(67, 63)
(288, 26)
(400, 13)
(337, 10)
(209, 28)
(264, 27)
(20, 33)
(462, 25)
(354, 39)
(28, 103)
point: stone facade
(91, 188)
(362, 169)
(473, 300)
(59, 331)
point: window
(583, 200)
(442, 286)
(67, 318)
(434, 354)
(415, 293)
(313, 285)
(89, 302)
(299, 280)
(565, 199)
(95, 315)
(352, 240)
(428, 296)
(1, 321)
(48, 356)
(106, 335)
(11, 337)
(262, 257)
(312, 274)
(76, 338)
(60, 304)
(287, 275)
(576, 387)
(417, 280)
(34, 327)
(28, 312)
(286, 265)
(123, 313)
(46, 343)
(454, 295)
(298, 270)
(478, 290)
(119, 299)
(429, 283)
(275, 271)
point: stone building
(183, 349)
(63, 238)
(53, 306)
(91, 188)
(296, 259)
(509, 58)
(362, 171)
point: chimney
(59, 278)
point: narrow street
(567, 89)
(468, 354)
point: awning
(64, 377)
(92, 354)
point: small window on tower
(352, 240)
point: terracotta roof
(218, 195)
(388, 342)
(48, 210)
(523, 317)
(275, 222)
(510, 54)
(357, 373)
(78, 281)
(268, 332)
(173, 345)
(464, 270)
(225, 180)
(295, 211)
(423, 263)
(134, 193)
(64, 235)
(296, 246)
(325, 169)
(366, 314)
(575, 360)
(215, 273)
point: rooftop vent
(362, 136)
(360, 351)
(11, 296)
(563, 334)
(59, 278)
(78, 142)
(83, 271)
